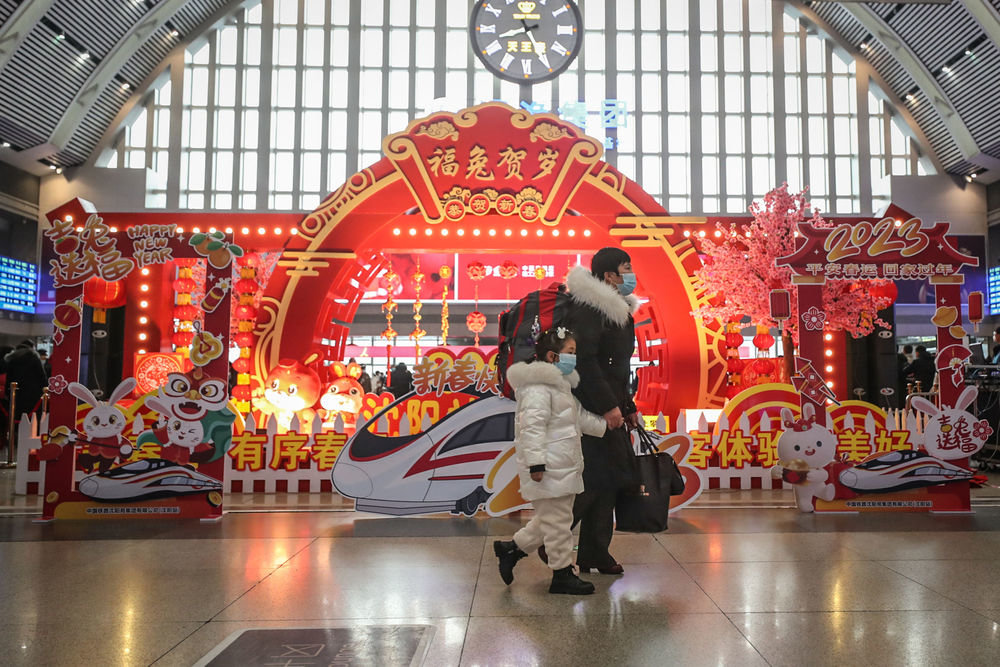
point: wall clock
(526, 41)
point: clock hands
(526, 29)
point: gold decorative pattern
(547, 132)
(329, 208)
(457, 192)
(528, 194)
(441, 129)
(305, 263)
(490, 193)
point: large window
(723, 100)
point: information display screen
(993, 285)
(18, 285)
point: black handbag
(645, 507)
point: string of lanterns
(185, 313)
(418, 331)
(476, 320)
(245, 313)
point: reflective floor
(723, 586)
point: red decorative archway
(444, 170)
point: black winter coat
(601, 321)
(25, 368)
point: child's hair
(552, 340)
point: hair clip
(561, 332)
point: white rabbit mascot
(803, 449)
(102, 437)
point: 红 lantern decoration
(475, 320)
(245, 314)
(763, 366)
(445, 273)
(185, 314)
(100, 295)
(975, 307)
(508, 271)
(734, 365)
(780, 302)
(418, 331)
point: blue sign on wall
(993, 285)
(18, 285)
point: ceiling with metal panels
(68, 68)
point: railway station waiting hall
(440, 332)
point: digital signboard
(18, 285)
(993, 286)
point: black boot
(509, 554)
(566, 581)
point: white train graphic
(442, 469)
(147, 479)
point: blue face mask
(628, 286)
(566, 363)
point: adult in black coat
(601, 321)
(24, 367)
(400, 381)
(922, 369)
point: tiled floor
(746, 586)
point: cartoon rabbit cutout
(803, 449)
(953, 433)
(103, 426)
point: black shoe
(508, 553)
(613, 569)
(542, 555)
(565, 581)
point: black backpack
(522, 323)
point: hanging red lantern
(975, 307)
(244, 339)
(185, 313)
(734, 339)
(244, 285)
(763, 339)
(735, 365)
(763, 366)
(241, 392)
(245, 313)
(182, 285)
(476, 321)
(732, 390)
(884, 291)
(242, 365)
(100, 295)
(182, 338)
(476, 271)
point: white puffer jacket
(547, 429)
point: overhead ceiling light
(968, 179)
(60, 37)
(864, 45)
(52, 167)
(946, 70)
(84, 56)
(125, 86)
(58, 170)
(973, 175)
(174, 33)
(968, 52)
(5, 144)
(910, 97)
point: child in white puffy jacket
(547, 431)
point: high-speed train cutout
(147, 479)
(898, 471)
(442, 469)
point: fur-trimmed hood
(584, 287)
(540, 372)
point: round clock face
(526, 41)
